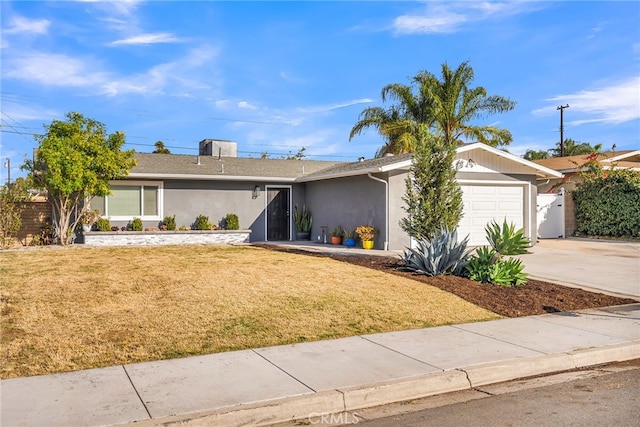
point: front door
(278, 224)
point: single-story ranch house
(264, 192)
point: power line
(11, 126)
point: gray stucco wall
(188, 199)
(215, 199)
(398, 239)
(348, 202)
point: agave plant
(508, 272)
(487, 266)
(442, 254)
(478, 267)
(506, 240)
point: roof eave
(539, 170)
(181, 176)
(341, 174)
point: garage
(484, 203)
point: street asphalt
(270, 385)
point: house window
(131, 199)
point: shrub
(169, 222)
(202, 223)
(136, 224)
(442, 254)
(487, 266)
(231, 222)
(103, 224)
(11, 197)
(506, 240)
(608, 204)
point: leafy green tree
(11, 197)
(74, 162)
(160, 148)
(445, 105)
(575, 148)
(536, 155)
(433, 198)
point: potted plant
(88, 219)
(336, 235)
(350, 236)
(367, 233)
(302, 220)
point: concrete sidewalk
(269, 385)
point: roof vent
(361, 159)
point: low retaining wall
(151, 238)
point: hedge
(609, 205)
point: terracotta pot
(336, 240)
(367, 244)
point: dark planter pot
(350, 243)
(303, 235)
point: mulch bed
(535, 297)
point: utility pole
(561, 108)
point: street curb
(399, 390)
(328, 402)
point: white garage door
(484, 203)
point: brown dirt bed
(535, 297)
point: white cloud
(20, 25)
(145, 39)
(331, 107)
(452, 16)
(120, 7)
(51, 69)
(246, 105)
(59, 70)
(614, 104)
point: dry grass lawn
(77, 308)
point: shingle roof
(356, 168)
(186, 166)
(568, 163)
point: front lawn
(78, 307)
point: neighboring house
(263, 192)
(570, 167)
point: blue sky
(278, 76)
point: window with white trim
(131, 199)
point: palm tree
(395, 130)
(160, 148)
(455, 104)
(575, 148)
(445, 106)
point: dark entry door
(278, 214)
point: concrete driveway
(598, 265)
